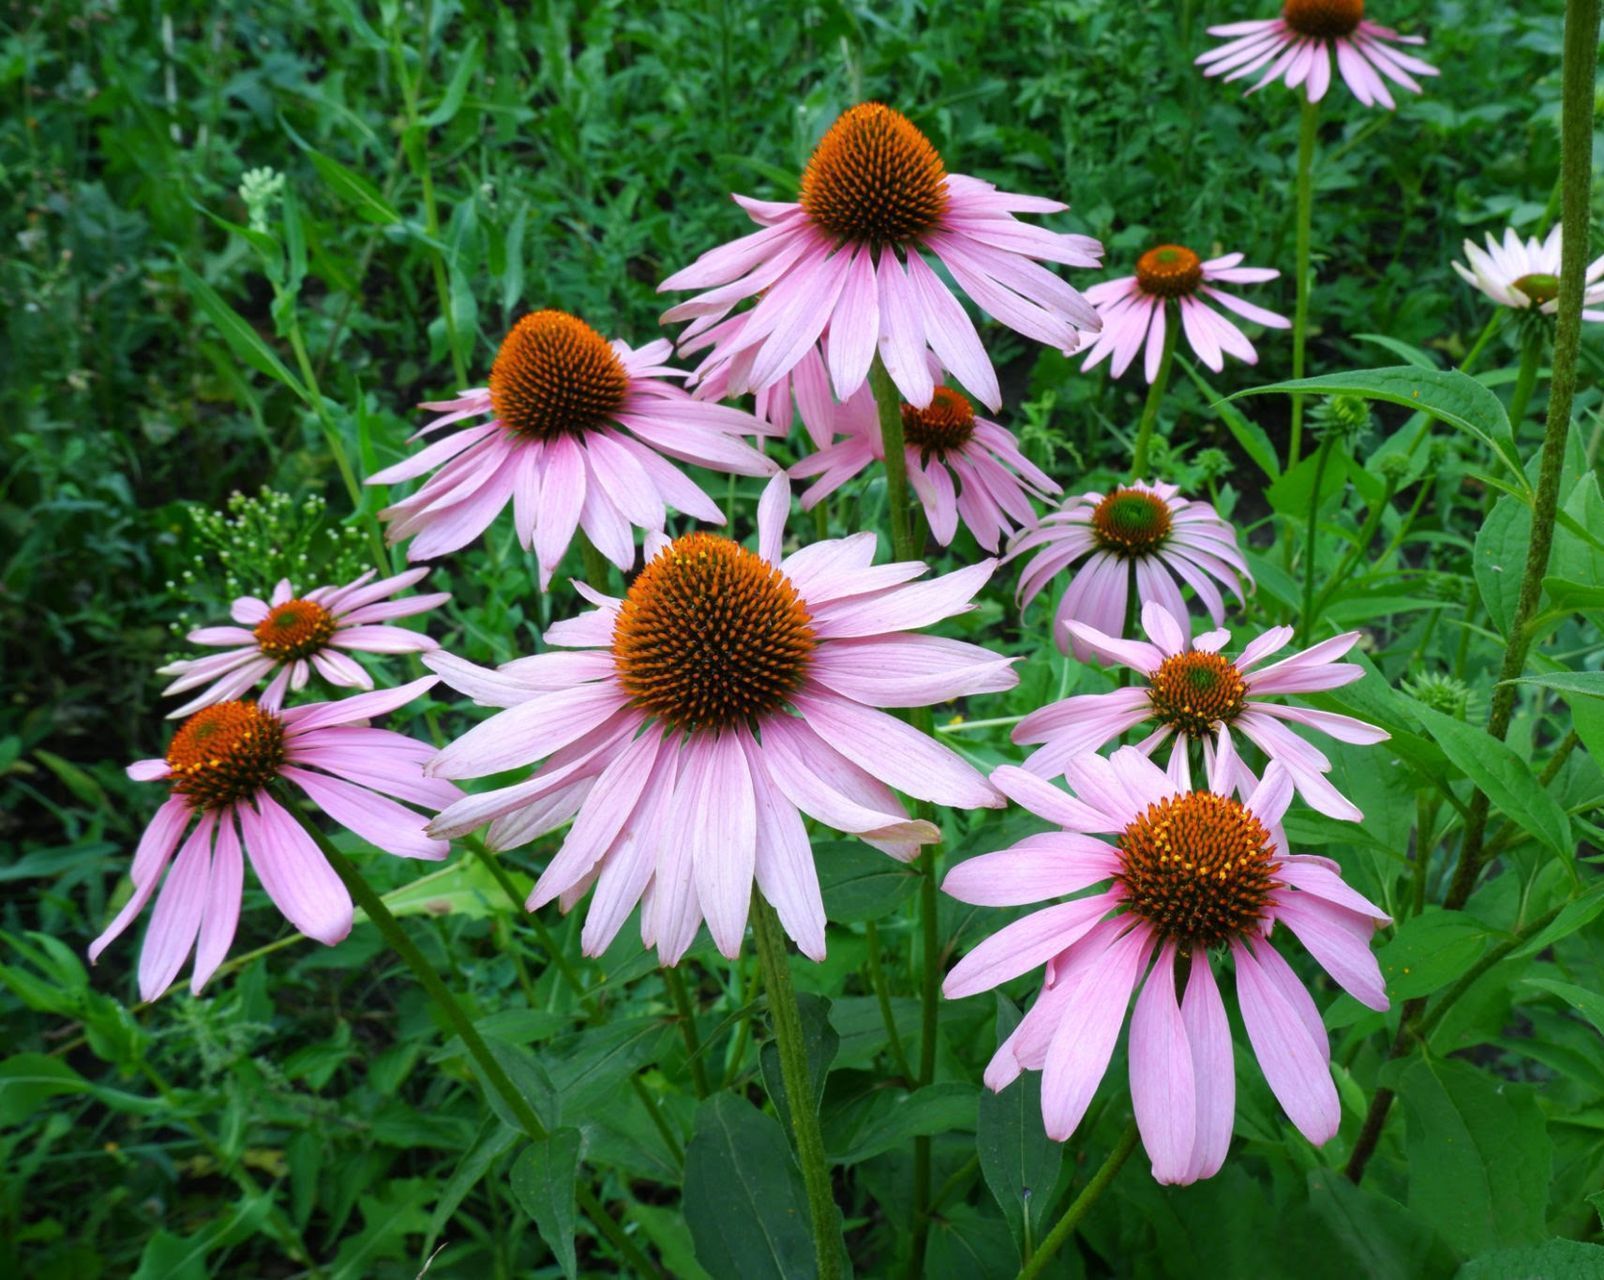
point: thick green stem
(1306, 630)
(786, 1020)
(490, 1069)
(1064, 1228)
(888, 402)
(1576, 175)
(1155, 394)
(1531, 359)
(1308, 133)
(687, 1025)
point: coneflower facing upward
(849, 254)
(1187, 874)
(1300, 44)
(578, 435)
(687, 727)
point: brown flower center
(555, 375)
(222, 754)
(1169, 271)
(874, 179)
(1131, 522)
(943, 426)
(1198, 867)
(1192, 692)
(711, 635)
(294, 629)
(1538, 287)
(1323, 19)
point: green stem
(490, 1069)
(1308, 134)
(1531, 359)
(888, 402)
(882, 995)
(1064, 1228)
(1494, 323)
(1155, 393)
(1576, 174)
(687, 1023)
(786, 1020)
(1425, 811)
(1306, 630)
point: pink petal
(177, 917)
(1022, 946)
(1163, 1082)
(292, 870)
(1292, 1060)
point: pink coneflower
(802, 392)
(1133, 309)
(1188, 872)
(220, 768)
(1302, 42)
(1525, 274)
(1194, 693)
(576, 437)
(667, 729)
(1141, 531)
(959, 464)
(849, 254)
(297, 635)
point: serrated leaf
(1448, 396)
(543, 1180)
(1503, 775)
(744, 1199)
(242, 339)
(1479, 1155)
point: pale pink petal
(1163, 1081)
(1208, 1032)
(1022, 946)
(177, 917)
(292, 870)
(1292, 1059)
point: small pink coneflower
(578, 436)
(1189, 873)
(220, 767)
(849, 254)
(1194, 693)
(297, 635)
(1134, 310)
(688, 727)
(959, 464)
(1145, 532)
(1525, 274)
(1300, 44)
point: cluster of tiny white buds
(260, 189)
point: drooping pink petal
(1163, 1079)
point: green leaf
(1291, 494)
(28, 1079)
(1587, 1003)
(451, 101)
(860, 883)
(744, 1199)
(1448, 396)
(1574, 916)
(820, 1041)
(897, 1118)
(1590, 683)
(1431, 950)
(966, 1244)
(1412, 355)
(353, 189)
(1479, 1155)
(1018, 1160)
(1501, 558)
(1551, 1260)
(1372, 1235)
(245, 342)
(543, 1180)
(1249, 435)
(1503, 775)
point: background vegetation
(447, 167)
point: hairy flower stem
(1155, 394)
(889, 405)
(786, 1020)
(1531, 359)
(1064, 1228)
(1322, 459)
(490, 1069)
(1576, 177)
(1308, 133)
(1576, 172)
